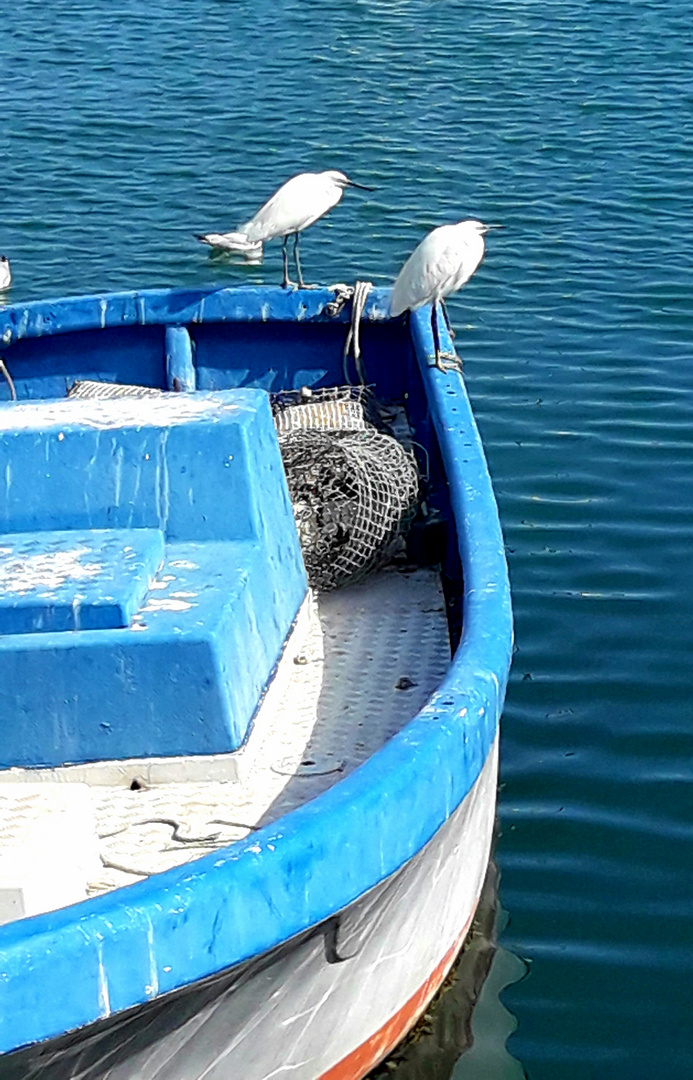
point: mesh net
(354, 492)
(335, 408)
(89, 388)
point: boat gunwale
(177, 927)
(178, 307)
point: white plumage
(296, 205)
(5, 272)
(236, 243)
(442, 263)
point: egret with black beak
(442, 263)
(296, 205)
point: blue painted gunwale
(173, 929)
(174, 307)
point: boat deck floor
(360, 663)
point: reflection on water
(217, 256)
(487, 1057)
(466, 1022)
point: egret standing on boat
(442, 263)
(296, 205)
(5, 272)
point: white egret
(296, 205)
(5, 272)
(440, 265)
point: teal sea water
(126, 127)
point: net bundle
(354, 489)
(331, 408)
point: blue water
(125, 128)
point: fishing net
(353, 488)
(334, 408)
(90, 388)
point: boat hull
(311, 945)
(328, 1004)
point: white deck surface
(359, 664)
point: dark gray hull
(330, 1003)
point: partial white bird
(236, 243)
(440, 265)
(296, 205)
(5, 272)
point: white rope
(358, 294)
(8, 378)
(342, 294)
(358, 303)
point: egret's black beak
(493, 227)
(352, 183)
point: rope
(8, 378)
(358, 303)
(358, 296)
(342, 293)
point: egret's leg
(298, 262)
(451, 332)
(287, 283)
(453, 356)
(436, 336)
(436, 341)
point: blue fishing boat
(255, 632)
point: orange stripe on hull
(366, 1056)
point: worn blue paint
(180, 370)
(176, 928)
(101, 586)
(212, 484)
(174, 307)
(123, 337)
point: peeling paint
(167, 604)
(106, 413)
(153, 988)
(49, 569)
(104, 998)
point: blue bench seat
(146, 617)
